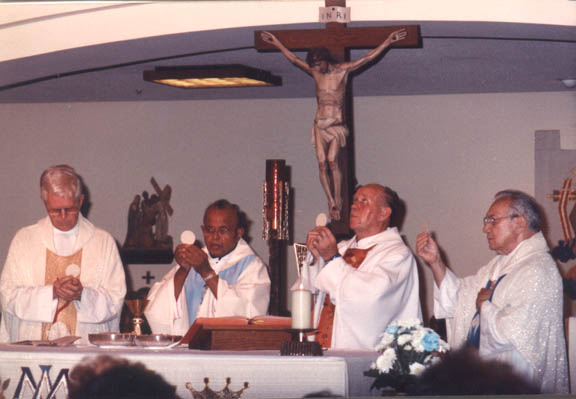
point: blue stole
(473, 338)
(194, 286)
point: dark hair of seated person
(464, 372)
(106, 377)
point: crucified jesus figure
(330, 131)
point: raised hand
(269, 38)
(397, 35)
(427, 249)
(190, 256)
(321, 242)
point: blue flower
(406, 348)
(430, 341)
(392, 329)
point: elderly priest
(226, 278)
(63, 275)
(511, 309)
(371, 279)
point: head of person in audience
(224, 225)
(464, 372)
(373, 207)
(114, 377)
(512, 218)
(61, 192)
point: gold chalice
(137, 307)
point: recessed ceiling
(456, 57)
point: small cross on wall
(148, 276)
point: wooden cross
(160, 192)
(339, 39)
(568, 221)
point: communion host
(371, 279)
(225, 278)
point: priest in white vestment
(511, 309)
(372, 279)
(225, 278)
(63, 276)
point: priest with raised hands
(511, 309)
(225, 278)
(63, 276)
(364, 283)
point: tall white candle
(301, 309)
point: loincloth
(329, 129)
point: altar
(43, 371)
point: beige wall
(445, 155)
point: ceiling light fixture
(209, 76)
(569, 83)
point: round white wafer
(188, 237)
(321, 220)
(73, 270)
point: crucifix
(565, 250)
(327, 62)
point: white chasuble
(523, 324)
(383, 289)
(28, 300)
(248, 296)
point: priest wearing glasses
(511, 309)
(224, 278)
(63, 276)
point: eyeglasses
(491, 219)
(63, 211)
(221, 231)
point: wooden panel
(234, 333)
(249, 339)
(238, 338)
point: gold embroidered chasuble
(56, 266)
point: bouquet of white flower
(406, 348)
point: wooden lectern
(239, 333)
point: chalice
(137, 307)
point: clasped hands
(189, 256)
(68, 288)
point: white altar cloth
(42, 371)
